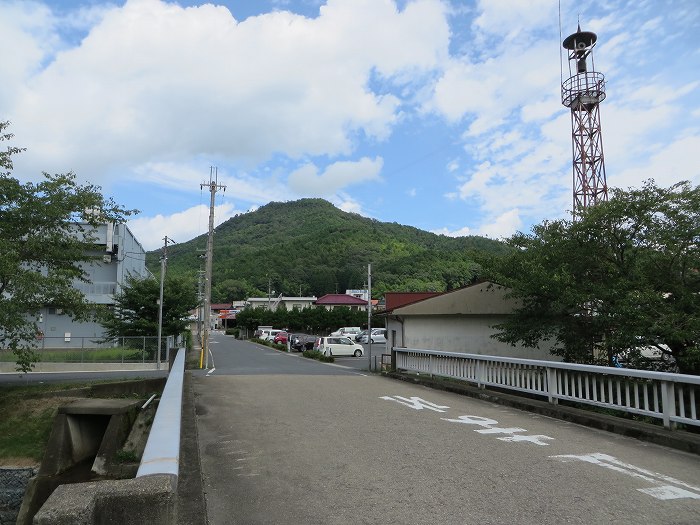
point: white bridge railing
(672, 398)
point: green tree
(46, 235)
(136, 307)
(626, 275)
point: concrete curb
(191, 504)
(677, 439)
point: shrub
(315, 354)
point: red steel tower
(582, 93)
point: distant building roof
(340, 299)
(398, 299)
(221, 306)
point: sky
(445, 115)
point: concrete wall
(468, 334)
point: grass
(90, 355)
(126, 456)
(26, 416)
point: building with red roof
(333, 300)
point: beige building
(458, 321)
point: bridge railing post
(668, 400)
(552, 386)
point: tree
(136, 308)
(313, 320)
(46, 234)
(625, 276)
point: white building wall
(119, 255)
(469, 334)
(283, 303)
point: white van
(338, 346)
(347, 331)
(268, 334)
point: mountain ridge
(310, 247)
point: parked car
(281, 338)
(301, 342)
(378, 336)
(347, 331)
(359, 336)
(269, 334)
(338, 346)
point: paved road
(287, 440)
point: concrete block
(149, 500)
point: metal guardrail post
(552, 386)
(668, 400)
(480, 374)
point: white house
(458, 321)
(285, 303)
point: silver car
(378, 336)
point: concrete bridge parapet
(150, 498)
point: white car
(269, 335)
(338, 346)
(346, 331)
(378, 336)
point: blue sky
(443, 115)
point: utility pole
(200, 297)
(163, 264)
(213, 186)
(369, 314)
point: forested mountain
(310, 247)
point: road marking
(488, 423)
(668, 487)
(535, 439)
(669, 492)
(211, 371)
(416, 403)
(473, 420)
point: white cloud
(307, 180)
(155, 82)
(349, 205)
(503, 226)
(499, 227)
(673, 163)
(181, 226)
(460, 232)
(490, 91)
(511, 19)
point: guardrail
(673, 398)
(162, 452)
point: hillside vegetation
(310, 247)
